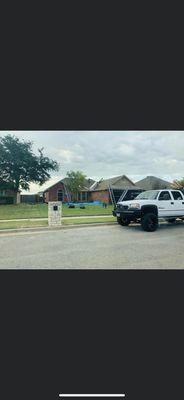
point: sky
(104, 154)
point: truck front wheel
(149, 222)
(123, 221)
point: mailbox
(54, 213)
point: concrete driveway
(106, 247)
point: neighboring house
(31, 198)
(152, 183)
(100, 190)
(59, 192)
(8, 195)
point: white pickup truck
(149, 206)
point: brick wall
(102, 196)
(52, 193)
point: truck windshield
(148, 195)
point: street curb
(48, 229)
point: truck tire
(123, 221)
(149, 222)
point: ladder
(68, 195)
(112, 197)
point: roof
(177, 185)
(117, 182)
(152, 182)
(87, 184)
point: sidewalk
(45, 219)
(40, 229)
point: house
(92, 191)
(99, 191)
(8, 195)
(59, 192)
(31, 198)
(152, 183)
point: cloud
(67, 156)
(106, 153)
(126, 149)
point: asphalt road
(106, 247)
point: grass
(22, 224)
(34, 224)
(89, 210)
(18, 211)
(74, 221)
(41, 211)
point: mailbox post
(54, 213)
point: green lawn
(76, 221)
(33, 224)
(89, 210)
(40, 211)
(22, 224)
(12, 211)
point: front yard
(41, 211)
(40, 223)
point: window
(60, 195)
(2, 193)
(83, 196)
(165, 195)
(176, 195)
(148, 195)
(78, 196)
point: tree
(178, 184)
(19, 166)
(181, 182)
(75, 182)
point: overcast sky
(104, 154)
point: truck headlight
(134, 205)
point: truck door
(178, 199)
(165, 204)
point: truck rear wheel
(123, 221)
(149, 222)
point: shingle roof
(152, 182)
(88, 183)
(119, 182)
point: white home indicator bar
(92, 395)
